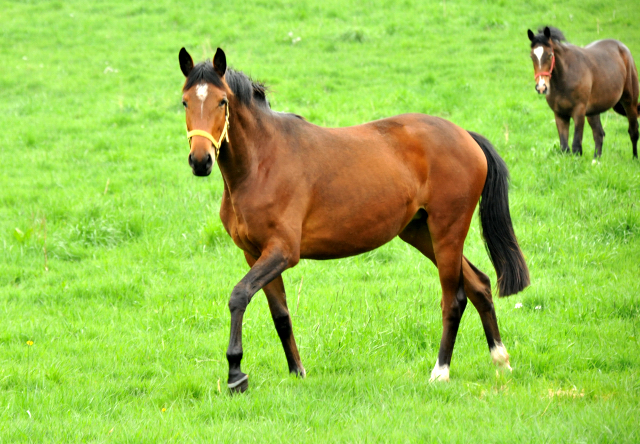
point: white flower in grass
(519, 305)
(538, 307)
(294, 40)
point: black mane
(556, 35)
(241, 85)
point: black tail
(497, 230)
(620, 109)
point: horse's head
(543, 58)
(207, 109)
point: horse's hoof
(440, 373)
(239, 386)
(299, 372)
(500, 357)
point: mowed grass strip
(114, 262)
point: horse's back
(602, 72)
(429, 138)
(609, 54)
(377, 176)
(427, 148)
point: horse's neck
(562, 54)
(240, 157)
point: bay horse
(294, 190)
(587, 81)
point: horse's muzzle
(201, 167)
(542, 89)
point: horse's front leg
(562, 123)
(578, 123)
(277, 299)
(271, 263)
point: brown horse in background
(294, 190)
(587, 81)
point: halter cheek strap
(216, 143)
(548, 73)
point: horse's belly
(339, 234)
(331, 247)
(602, 103)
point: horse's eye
(184, 103)
(223, 102)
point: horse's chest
(561, 105)
(236, 226)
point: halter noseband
(548, 73)
(216, 143)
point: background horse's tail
(497, 230)
(620, 109)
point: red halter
(545, 73)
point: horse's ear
(220, 62)
(186, 62)
(530, 34)
(547, 32)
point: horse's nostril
(209, 160)
(190, 160)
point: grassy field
(114, 263)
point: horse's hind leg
(632, 114)
(598, 133)
(277, 299)
(629, 101)
(477, 286)
(447, 256)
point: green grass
(129, 318)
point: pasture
(115, 271)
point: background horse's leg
(454, 299)
(563, 131)
(270, 265)
(578, 128)
(598, 133)
(477, 286)
(632, 114)
(277, 299)
(629, 102)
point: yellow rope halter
(216, 143)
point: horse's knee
(239, 299)
(484, 279)
(483, 301)
(480, 295)
(479, 291)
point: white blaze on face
(538, 53)
(202, 91)
(439, 373)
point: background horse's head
(543, 55)
(207, 109)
